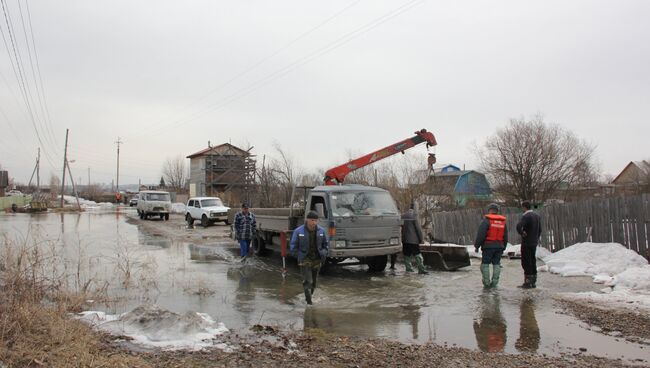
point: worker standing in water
(491, 238)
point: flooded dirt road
(163, 263)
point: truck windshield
(371, 203)
(158, 197)
(214, 202)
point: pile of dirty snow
(178, 208)
(592, 259)
(86, 204)
(626, 273)
(152, 326)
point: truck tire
(377, 263)
(259, 246)
(166, 217)
(189, 219)
(204, 221)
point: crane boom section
(337, 174)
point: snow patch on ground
(626, 273)
(152, 326)
(593, 259)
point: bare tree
(286, 171)
(530, 159)
(175, 173)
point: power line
(294, 65)
(18, 73)
(261, 61)
(39, 89)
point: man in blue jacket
(309, 244)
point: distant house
(636, 172)
(222, 169)
(458, 187)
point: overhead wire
(23, 84)
(293, 66)
(260, 61)
(39, 88)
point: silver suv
(207, 210)
(154, 203)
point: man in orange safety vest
(492, 238)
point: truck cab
(362, 222)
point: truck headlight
(339, 244)
(394, 241)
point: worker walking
(245, 225)
(530, 229)
(309, 244)
(492, 237)
(411, 239)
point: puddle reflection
(490, 326)
(528, 340)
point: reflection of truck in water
(362, 222)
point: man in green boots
(492, 238)
(411, 239)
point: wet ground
(198, 270)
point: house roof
(642, 166)
(220, 149)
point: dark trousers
(491, 256)
(309, 276)
(528, 260)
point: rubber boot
(408, 263)
(527, 282)
(485, 271)
(308, 296)
(533, 281)
(419, 260)
(496, 273)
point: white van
(154, 203)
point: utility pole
(117, 186)
(65, 164)
(88, 175)
(38, 171)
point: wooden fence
(624, 220)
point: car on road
(208, 210)
(133, 202)
(154, 203)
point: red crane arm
(338, 174)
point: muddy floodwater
(110, 251)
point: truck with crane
(362, 222)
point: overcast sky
(322, 78)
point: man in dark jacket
(411, 239)
(492, 237)
(530, 229)
(309, 244)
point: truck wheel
(162, 216)
(189, 219)
(140, 215)
(377, 263)
(204, 221)
(166, 217)
(259, 246)
(226, 222)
